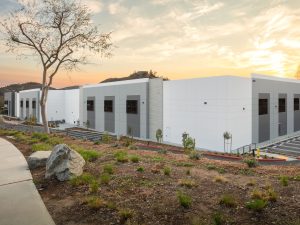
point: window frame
(281, 108)
(132, 107)
(21, 103)
(27, 104)
(110, 107)
(33, 104)
(296, 105)
(90, 107)
(265, 109)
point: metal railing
(246, 149)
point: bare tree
(60, 33)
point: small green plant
(272, 195)
(257, 194)
(217, 219)
(83, 179)
(125, 214)
(228, 200)
(97, 142)
(167, 171)
(188, 142)
(132, 147)
(106, 138)
(40, 136)
(251, 162)
(159, 135)
(284, 180)
(89, 155)
(184, 200)
(41, 147)
(108, 168)
(188, 172)
(121, 156)
(195, 155)
(134, 158)
(187, 183)
(94, 186)
(211, 167)
(256, 204)
(54, 141)
(95, 202)
(163, 151)
(105, 178)
(140, 169)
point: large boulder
(64, 163)
(38, 159)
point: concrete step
(284, 151)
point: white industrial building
(252, 109)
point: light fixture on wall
(205, 103)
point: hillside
(20, 87)
(135, 75)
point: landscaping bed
(123, 186)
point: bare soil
(151, 196)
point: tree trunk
(43, 109)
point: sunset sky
(181, 39)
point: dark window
(263, 106)
(5, 102)
(281, 107)
(296, 104)
(90, 105)
(108, 106)
(132, 106)
(21, 104)
(34, 104)
(27, 104)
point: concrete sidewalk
(20, 202)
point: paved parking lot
(289, 147)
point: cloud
(95, 6)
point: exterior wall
(155, 107)
(206, 108)
(9, 100)
(29, 95)
(120, 91)
(72, 106)
(275, 87)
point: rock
(38, 159)
(64, 163)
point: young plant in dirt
(188, 142)
(228, 200)
(184, 200)
(159, 135)
(251, 162)
(284, 180)
(121, 156)
(108, 168)
(106, 138)
(95, 202)
(256, 204)
(140, 169)
(195, 155)
(167, 171)
(134, 158)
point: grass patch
(54, 141)
(140, 169)
(167, 171)
(108, 168)
(228, 200)
(251, 162)
(125, 214)
(195, 155)
(220, 179)
(187, 183)
(41, 147)
(217, 219)
(94, 186)
(88, 154)
(221, 170)
(134, 158)
(185, 164)
(256, 204)
(184, 200)
(40, 136)
(105, 178)
(121, 156)
(85, 178)
(284, 180)
(95, 202)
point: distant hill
(136, 75)
(70, 88)
(20, 87)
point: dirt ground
(151, 197)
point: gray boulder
(38, 159)
(64, 163)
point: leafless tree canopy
(59, 32)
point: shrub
(94, 186)
(187, 183)
(108, 168)
(41, 147)
(258, 194)
(97, 142)
(211, 167)
(284, 180)
(188, 142)
(134, 158)
(228, 200)
(105, 178)
(159, 135)
(256, 204)
(184, 200)
(95, 202)
(272, 195)
(89, 155)
(54, 141)
(121, 156)
(106, 138)
(167, 171)
(140, 169)
(251, 162)
(195, 155)
(188, 172)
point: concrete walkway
(20, 202)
